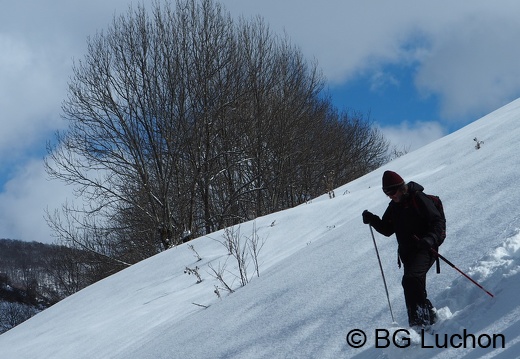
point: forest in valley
(34, 276)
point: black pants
(414, 282)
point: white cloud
(411, 136)
(380, 79)
(474, 67)
(465, 55)
(37, 44)
(29, 99)
(24, 201)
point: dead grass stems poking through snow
(245, 250)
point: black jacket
(415, 216)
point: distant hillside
(33, 276)
(25, 264)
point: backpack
(438, 204)
(440, 207)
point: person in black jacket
(417, 225)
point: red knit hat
(391, 180)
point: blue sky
(422, 69)
(390, 96)
(390, 99)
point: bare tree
(12, 314)
(183, 121)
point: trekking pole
(382, 274)
(461, 272)
(438, 255)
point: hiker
(418, 226)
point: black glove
(426, 242)
(368, 217)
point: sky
(319, 282)
(418, 69)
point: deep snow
(319, 275)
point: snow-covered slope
(319, 275)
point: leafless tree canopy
(183, 121)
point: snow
(319, 275)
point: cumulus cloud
(474, 67)
(464, 55)
(37, 45)
(24, 201)
(26, 95)
(411, 136)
